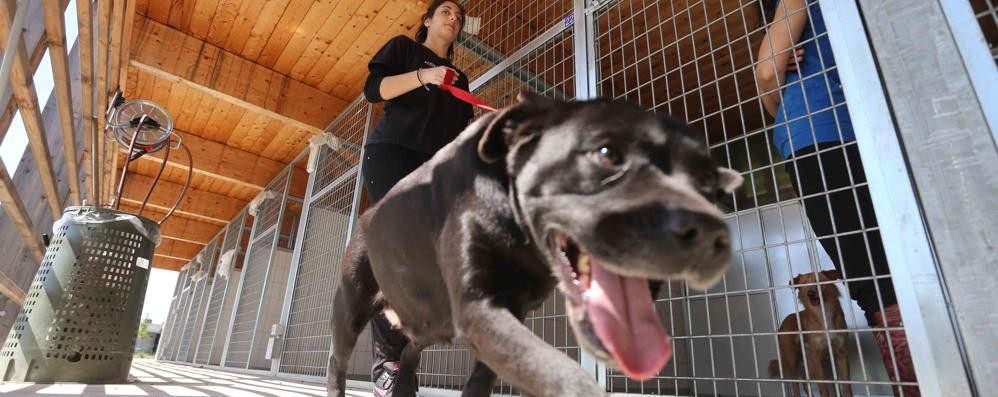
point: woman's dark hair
(432, 9)
(767, 9)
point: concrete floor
(153, 378)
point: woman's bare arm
(777, 49)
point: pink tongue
(624, 318)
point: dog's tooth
(584, 264)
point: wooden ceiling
(247, 83)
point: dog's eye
(607, 156)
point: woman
(800, 87)
(418, 120)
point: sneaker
(900, 366)
(385, 383)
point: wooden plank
(10, 289)
(177, 227)
(103, 36)
(203, 205)
(142, 7)
(15, 209)
(23, 87)
(55, 32)
(250, 11)
(337, 22)
(162, 262)
(295, 16)
(114, 53)
(34, 39)
(84, 17)
(221, 23)
(178, 249)
(181, 13)
(223, 72)
(204, 12)
(126, 44)
(159, 10)
(175, 79)
(303, 35)
(268, 22)
(221, 162)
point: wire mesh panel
(506, 26)
(171, 317)
(248, 302)
(700, 62)
(269, 211)
(307, 335)
(207, 348)
(202, 285)
(183, 306)
(546, 67)
(244, 338)
(986, 12)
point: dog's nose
(698, 230)
(811, 294)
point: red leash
(462, 94)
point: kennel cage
(697, 61)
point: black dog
(601, 198)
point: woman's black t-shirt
(419, 120)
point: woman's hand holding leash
(436, 75)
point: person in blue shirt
(799, 86)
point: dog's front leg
(480, 382)
(508, 347)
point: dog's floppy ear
(511, 125)
(796, 280)
(729, 179)
(831, 274)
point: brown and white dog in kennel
(818, 346)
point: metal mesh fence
(202, 285)
(306, 341)
(248, 303)
(216, 319)
(182, 309)
(699, 60)
(171, 317)
(704, 62)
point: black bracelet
(420, 79)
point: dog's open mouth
(617, 311)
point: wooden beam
(197, 204)
(34, 39)
(10, 289)
(103, 37)
(178, 249)
(23, 87)
(54, 29)
(84, 18)
(177, 227)
(163, 262)
(113, 58)
(114, 52)
(172, 78)
(225, 163)
(179, 58)
(18, 214)
(126, 45)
